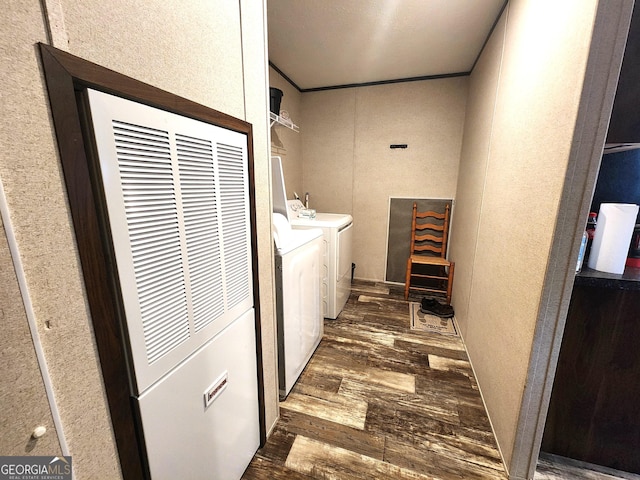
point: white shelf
(282, 121)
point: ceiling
(330, 43)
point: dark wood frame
(67, 76)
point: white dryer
(337, 231)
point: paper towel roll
(613, 235)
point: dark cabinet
(594, 413)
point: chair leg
(407, 280)
(450, 282)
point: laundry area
(217, 288)
(344, 161)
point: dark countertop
(628, 280)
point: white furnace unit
(176, 192)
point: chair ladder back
(413, 229)
(439, 280)
(416, 228)
(445, 233)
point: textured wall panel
(257, 110)
(189, 48)
(32, 179)
(22, 392)
(522, 143)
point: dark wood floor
(379, 400)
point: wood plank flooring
(379, 400)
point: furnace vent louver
(176, 191)
(199, 204)
(146, 176)
(234, 217)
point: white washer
(337, 231)
(298, 259)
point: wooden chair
(429, 233)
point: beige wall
(19, 372)
(348, 166)
(256, 77)
(523, 105)
(328, 147)
(286, 143)
(342, 158)
(212, 52)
